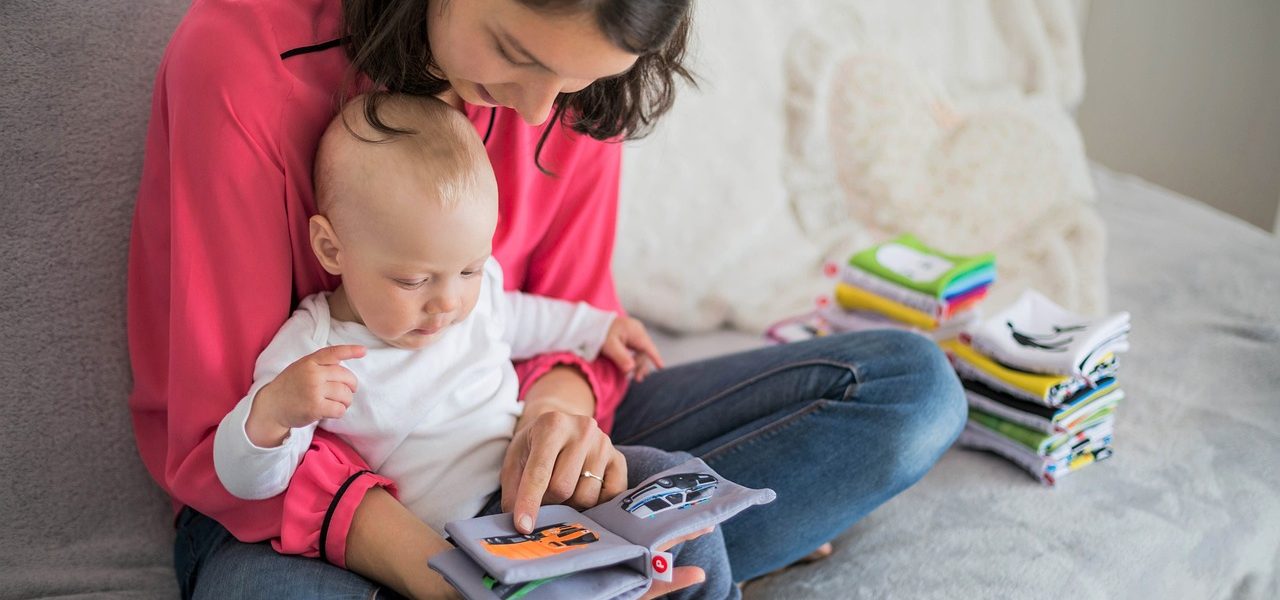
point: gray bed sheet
(1189, 506)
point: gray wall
(1186, 93)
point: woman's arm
(389, 544)
(211, 273)
(562, 389)
(569, 401)
(572, 261)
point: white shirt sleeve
(247, 470)
(535, 325)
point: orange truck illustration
(541, 542)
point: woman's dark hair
(386, 41)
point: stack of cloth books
(1041, 384)
(901, 284)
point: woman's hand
(547, 461)
(681, 577)
(556, 441)
(557, 424)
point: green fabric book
(1037, 441)
(907, 262)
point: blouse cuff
(321, 502)
(605, 380)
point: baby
(427, 392)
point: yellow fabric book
(1034, 383)
(855, 298)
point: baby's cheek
(472, 299)
(466, 310)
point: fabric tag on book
(660, 565)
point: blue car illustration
(673, 492)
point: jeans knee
(934, 406)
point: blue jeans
(211, 563)
(835, 426)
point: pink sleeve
(573, 261)
(211, 280)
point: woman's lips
(486, 96)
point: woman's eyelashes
(507, 56)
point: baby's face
(417, 272)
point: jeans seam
(191, 562)
(764, 432)
(191, 558)
(852, 368)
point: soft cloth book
(908, 262)
(1036, 335)
(606, 552)
(1049, 390)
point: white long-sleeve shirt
(436, 420)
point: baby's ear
(325, 245)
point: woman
(219, 257)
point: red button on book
(661, 563)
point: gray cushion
(80, 512)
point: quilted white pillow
(823, 127)
(900, 157)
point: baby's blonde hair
(440, 149)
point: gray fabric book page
(676, 502)
(562, 541)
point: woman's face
(501, 53)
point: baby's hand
(628, 345)
(314, 387)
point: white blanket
(820, 128)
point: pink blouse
(220, 254)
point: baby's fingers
(338, 392)
(333, 410)
(332, 355)
(640, 342)
(341, 375)
(615, 350)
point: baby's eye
(470, 273)
(411, 284)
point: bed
(1189, 506)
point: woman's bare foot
(822, 552)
